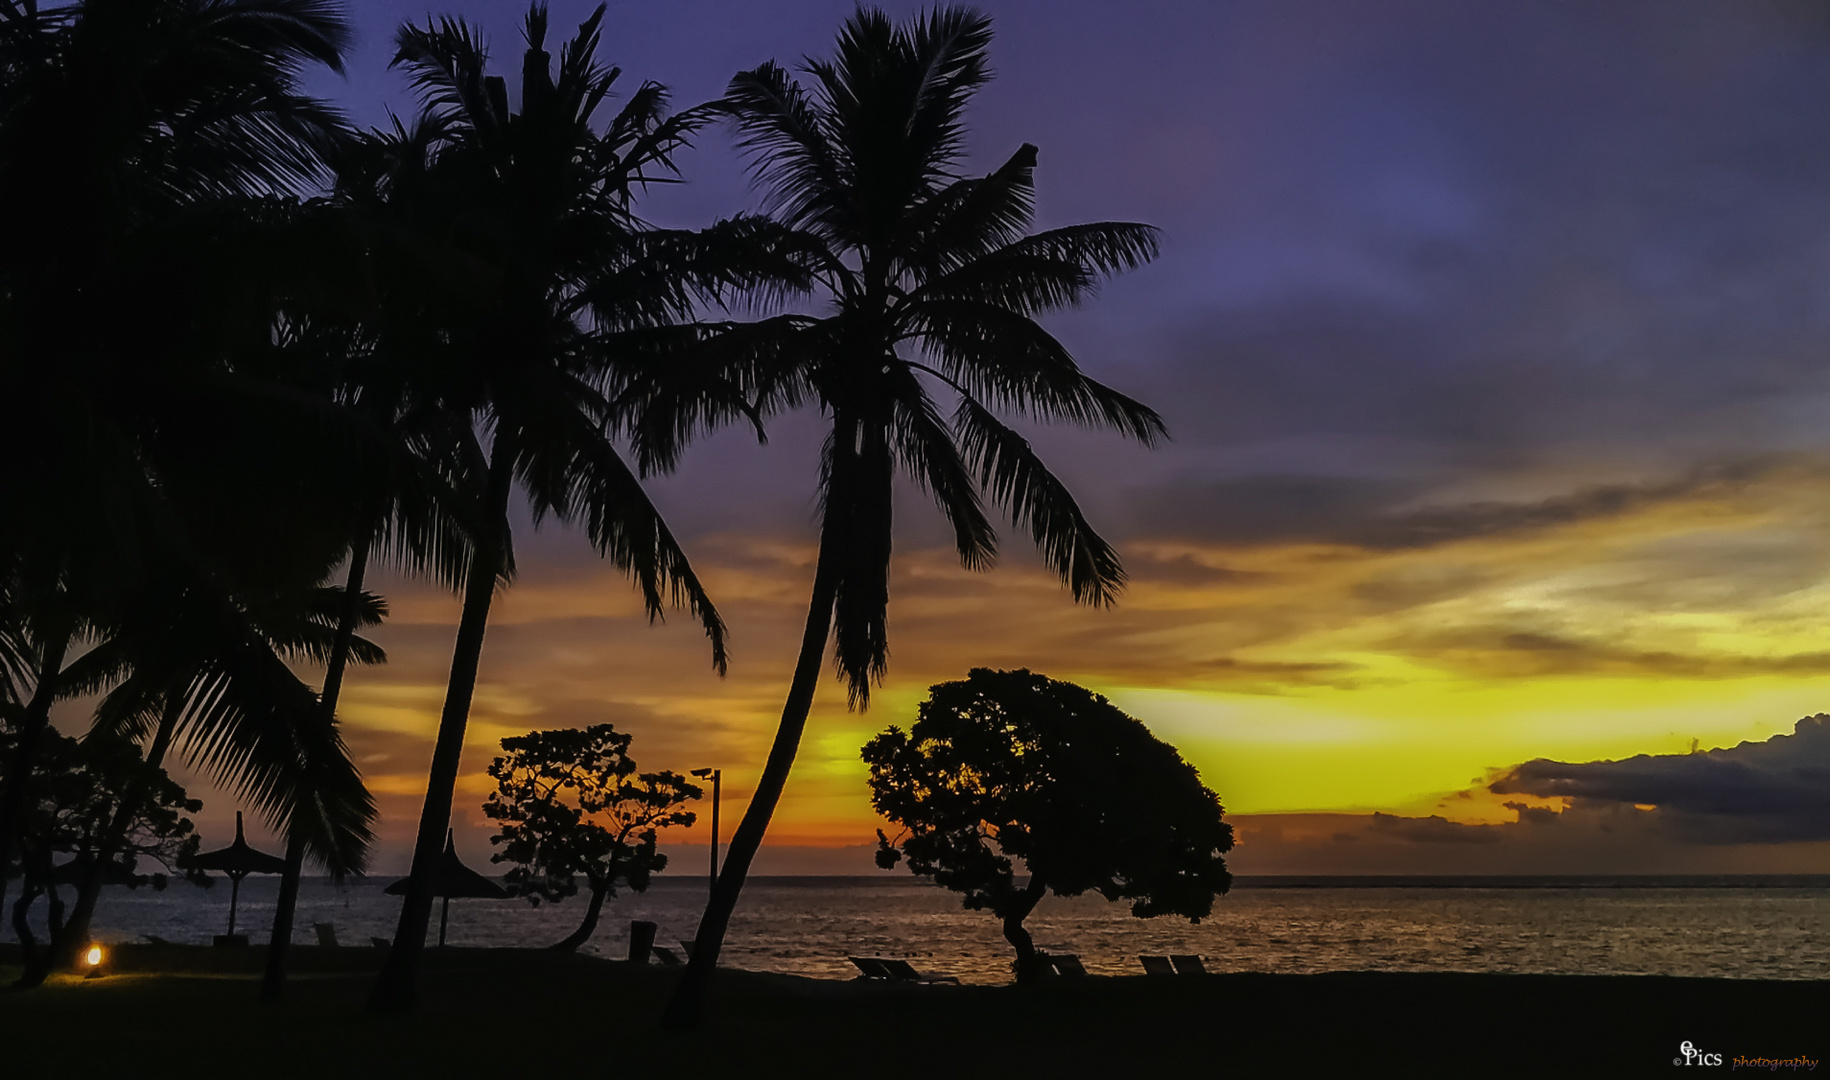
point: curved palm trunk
(396, 990)
(273, 982)
(32, 727)
(687, 1006)
(588, 927)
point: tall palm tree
(523, 274)
(125, 127)
(933, 284)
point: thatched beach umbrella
(453, 880)
(238, 860)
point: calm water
(1730, 927)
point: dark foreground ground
(184, 1011)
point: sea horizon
(1750, 926)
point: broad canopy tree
(95, 808)
(1009, 767)
(571, 805)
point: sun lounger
(381, 943)
(1067, 964)
(903, 971)
(1157, 965)
(155, 939)
(327, 934)
(687, 948)
(664, 955)
(1188, 965)
(869, 967)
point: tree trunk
(1030, 965)
(32, 725)
(396, 988)
(589, 926)
(273, 982)
(67, 946)
(28, 942)
(34, 868)
(687, 1006)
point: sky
(1490, 536)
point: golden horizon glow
(1299, 677)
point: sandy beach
(182, 1010)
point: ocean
(1733, 927)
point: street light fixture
(717, 776)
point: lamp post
(717, 776)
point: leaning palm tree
(934, 284)
(521, 272)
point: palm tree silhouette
(524, 275)
(396, 465)
(933, 285)
(131, 133)
(162, 669)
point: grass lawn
(169, 1011)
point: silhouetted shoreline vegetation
(141, 1021)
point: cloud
(1502, 652)
(1372, 513)
(1435, 829)
(1760, 792)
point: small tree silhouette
(97, 802)
(572, 806)
(1008, 765)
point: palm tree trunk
(273, 982)
(687, 1006)
(32, 725)
(396, 989)
(589, 926)
(65, 946)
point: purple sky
(1437, 278)
(1428, 244)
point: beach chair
(1188, 965)
(381, 943)
(869, 967)
(687, 948)
(903, 971)
(1157, 965)
(327, 934)
(1067, 964)
(664, 955)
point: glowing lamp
(94, 956)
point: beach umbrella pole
(444, 917)
(234, 899)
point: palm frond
(446, 61)
(781, 131)
(571, 471)
(1016, 479)
(671, 384)
(1050, 270)
(254, 725)
(970, 218)
(1006, 359)
(924, 446)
